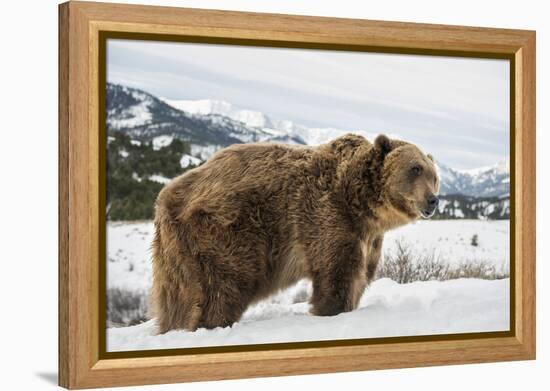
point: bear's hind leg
(232, 264)
(176, 295)
(177, 306)
(232, 275)
(224, 305)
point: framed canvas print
(248, 195)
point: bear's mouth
(426, 214)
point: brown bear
(257, 218)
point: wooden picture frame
(83, 28)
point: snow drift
(387, 309)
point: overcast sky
(455, 108)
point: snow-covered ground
(129, 255)
(450, 240)
(386, 308)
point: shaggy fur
(257, 218)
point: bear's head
(409, 177)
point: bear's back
(243, 166)
(238, 172)
(266, 173)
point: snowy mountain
(208, 125)
(144, 117)
(257, 119)
(251, 118)
(491, 181)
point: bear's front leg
(338, 277)
(373, 256)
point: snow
(442, 204)
(187, 160)
(501, 168)
(387, 309)
(506, 207)
(136, 177)
(124, 153)
(251, 118)
(483, 181)
(201, 106)
(450, 240)
(162, 141)
(459, 213)
(159, 179)
(136, 115)
(129, 255)
(204, 152)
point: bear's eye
(416, 170)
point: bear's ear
(383, 144)
(430, 157)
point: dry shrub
(125, 308)
(403, 266)
(478, 268)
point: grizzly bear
(256, 218)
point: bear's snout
(431, 204)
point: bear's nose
(433, 201)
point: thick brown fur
(257, 218)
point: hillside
(137, 171)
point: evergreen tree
(130, 193)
